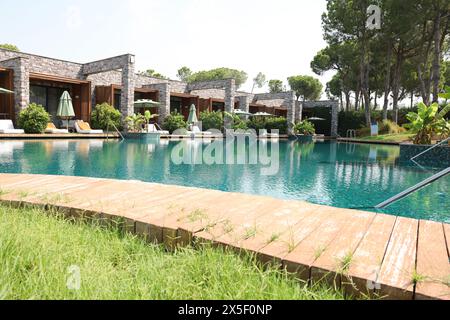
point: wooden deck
(361, 252)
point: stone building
(114, 80)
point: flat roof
(47, 77)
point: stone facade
(283, 99)
(334, 105)
(120, 70)
(38, 64)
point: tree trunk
(376, 100)
(396, 84)
(387, 80)
(412, 99)
(437, 57)
(347, 101)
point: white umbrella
(240, 112)
(262, 114)
(316, 119)
(146, 103)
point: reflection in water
(330, 173)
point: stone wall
(334, 105)
(38, 64)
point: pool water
(329, 173)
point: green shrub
(304, 127)
(279, 124)
(105, 116)
(211, 120)
(33, 119)
(174, 121)
(257, 123)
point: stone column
(298, 111)
(230, 92)
(20, 67)
(244, 103)
(164, 99)
(291, 111)
(128, 80)
(334, 119)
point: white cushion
(12, 131)
(56, 131)
(87, 131)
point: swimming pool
(329, 173)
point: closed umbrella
(192, 115)
(2, 90)
(65, 108)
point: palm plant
(135, 122)
(427, 122)
(305, 127)
(149, 116)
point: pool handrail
(429, 149)
(413, 189)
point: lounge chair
(7, 127)
(264, 134)
(85, 128)
(51, 128)
(152, 128)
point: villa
(41, 80)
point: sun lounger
(7, 127)
(85, 128)
(51, 128)
(153, 129)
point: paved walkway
(362, 252)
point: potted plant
(304, 131)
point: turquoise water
(330, 173)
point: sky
(278, 38)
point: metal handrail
(413, 189)
(429, 149)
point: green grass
(400, 137)
(36, 250)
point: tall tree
(152, 73)
(276, 86)
(306, 87)
(184, 73)
(219, 74)
(259, 81)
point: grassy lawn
(36, 251)
(400, 137)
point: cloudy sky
(278, 38)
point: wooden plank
(292, 236)
(302, 256)
(361, 276)
(337, 256)
(275, 223)
(397, 271)
(432, 262)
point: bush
(104, 116)
(33, 119)
(211, 120)
(305, 127)
(279, 124)
(257, 123)
(174, 122)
